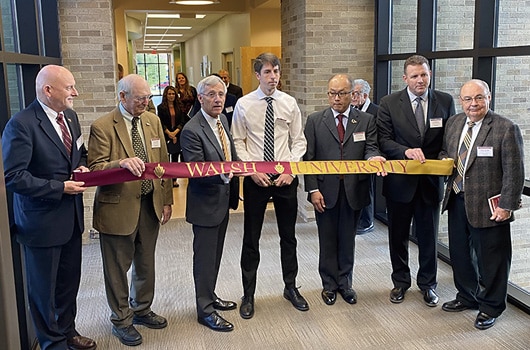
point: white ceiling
(171, 31)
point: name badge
(79, 142)
(229, 109)
(436, 123)
(155, 143)
(359, 136)
(484, 151)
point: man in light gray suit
(488, 150)
(339, 132)
(206, 138)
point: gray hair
(128, 82)
(210, 80)
(365, 87)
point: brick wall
(88, 51)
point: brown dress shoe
(81, 343)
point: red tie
(340, 128)
(67, 139)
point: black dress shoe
(329, 296)
(363, 230)
(127, 335)
(246, 310)
(224, 305)
(430, 297)
(455, 306)
(215, 322)
(80, 343)
(397, 295)
(298, 301)
(348, 295)
(484, 321)
(150, 320)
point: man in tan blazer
(128, 215)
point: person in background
(128, 215)
(267, 126)
(361, 101)
(411, 125)
(120, 71)
(232, 88)
(339, 132)
(42, 146)
(488, 150)
(172, 121)
(206, 138)
(187, 95)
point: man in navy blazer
(339, 132)
(208, 199)
(480, 245)
(48, 205)
(402, 136)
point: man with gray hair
(128, 215)
(206, 138)
(361, 101)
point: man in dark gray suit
(361, 101)
(488, 153)
(339, 132)
(411, 125)
(206, 138)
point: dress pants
(53, 275)
(208, 243)
(367, 213)
(286, 210)
(481, 259)
(119, 253)
(426, 217)
(336, 236)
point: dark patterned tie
(67, 139)
(139, 151)
(420, 117)
(268, 146)
(340, 128)
(458, 184)
(224, 144)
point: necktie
(418, 113)
(139, 151)
(67, 139)
(268, 146)
(224, 144)
(458, 184)
(340, 128)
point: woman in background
(172, 119)
(187, 94)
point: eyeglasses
(213, 94)
(141, 99)
(357, 93)
(341, 94)
(478, 99)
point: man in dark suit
(339, 132)
(128, 215)
(228, 109)
(42, 146)
(205, 138)
(411, 125)
(488, 150)
(361, 101)
(231, 88)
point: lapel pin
(70, 120)
(147, 124)
(353, 121)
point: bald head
(55, 87)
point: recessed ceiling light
(168, 27)
(193, 2)
(163, 15)
(199, 16)
(158, 35)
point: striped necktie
(67, 139)
(224, 144)
(458, 183)
(268, 146)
